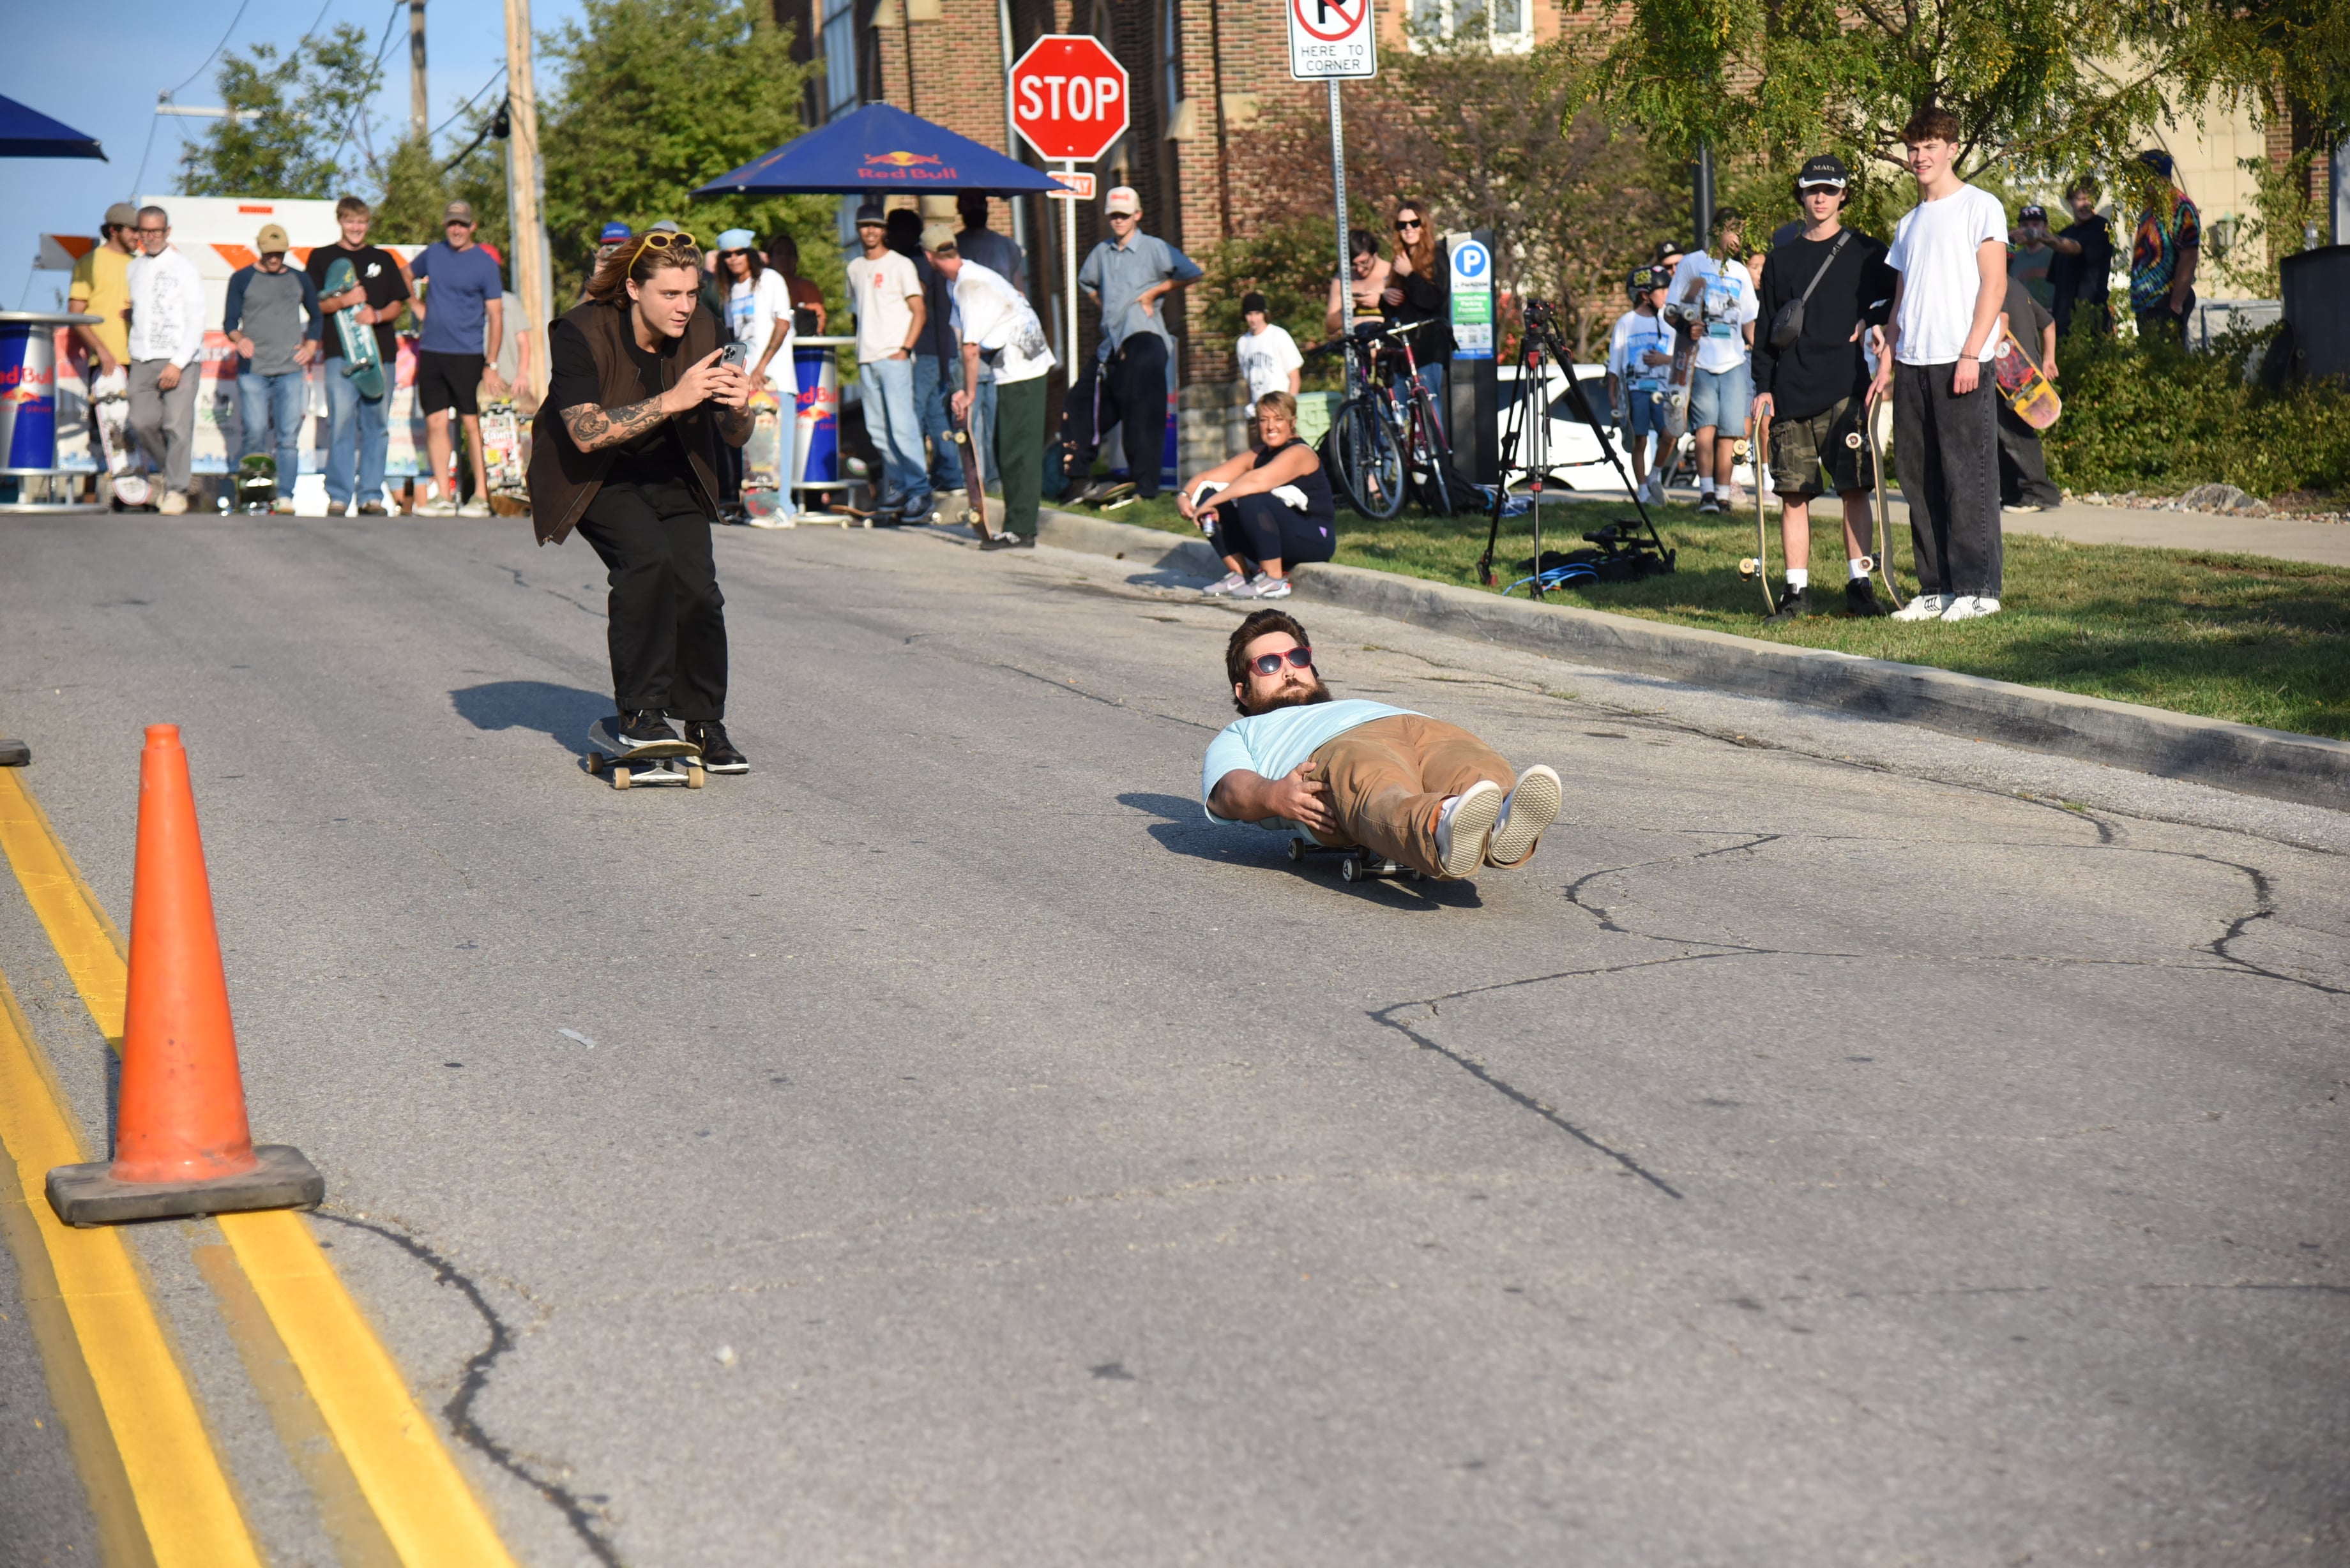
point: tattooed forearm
(593, 428)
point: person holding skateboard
(2024, 482)
(101, 288)
(1639, 348)
(1950, 250)
(274, 323)
(625, 450)
(358, 427)
(1003, 344)
(1426, 795)
(1715, 296)
(1822, 291)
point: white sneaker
(1525, 812)
(1464, 827)
(477, 507)
(1229, 583)
(1925, 607)
(1733, 499)
(1970, 607)
(1262, 587)
(436, 505)
(174, 503)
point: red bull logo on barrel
(905, 166)
(28, 394)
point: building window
(1507, 22)
(840, 55)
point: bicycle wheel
(1370, 465)
(1428, 456)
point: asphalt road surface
(1844, 1143)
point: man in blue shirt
(462, 310)
(1426, 795)
(1129, 274)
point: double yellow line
(413, 1505)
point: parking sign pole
(1339, 180)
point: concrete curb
(2308, 769)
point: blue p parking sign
(1472, 300)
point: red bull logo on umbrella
(905, 166)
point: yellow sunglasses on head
(663, 238)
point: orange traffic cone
(181, 1145)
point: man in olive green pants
(1003, 342)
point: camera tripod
(1617, 541)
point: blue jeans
(888, 387)
(930, 391)
(358, 434)
(272, 406)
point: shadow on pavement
(1184, 829)
(560, 712)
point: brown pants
(1389, 778)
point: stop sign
(1068, 98)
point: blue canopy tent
(883, 150)
(29, 133)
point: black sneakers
(1860, 599)
(1794, 605)
(718, 753)
(645, 727)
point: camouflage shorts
(1816, 455)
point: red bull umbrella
(881, 149)
(29, 133)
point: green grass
(2244, 637)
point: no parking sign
(1472, 298)
(1332, 40)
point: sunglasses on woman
(1270, 663)
(1405, 225)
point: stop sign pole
(1069, 97)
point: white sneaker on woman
(1262, 587)
(1225, 585)
(1925, 607)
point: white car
(1575, 458)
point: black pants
(1947, 448)
(2023, 467)
(2161, 323)
(1257, 528)
(668, 619)
(1137, 377)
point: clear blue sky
(99, 71)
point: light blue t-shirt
(1271, 744)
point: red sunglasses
(1270, 663)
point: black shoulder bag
(1788, 325)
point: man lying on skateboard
(1423, 793)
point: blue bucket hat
(738, 240)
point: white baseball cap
(1123, 199)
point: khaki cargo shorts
(1815, 456)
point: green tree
(293, 120)
(418, 182)
(659, 96)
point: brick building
(1201, 73)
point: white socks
(1705, 484)
(1798, 577)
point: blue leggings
(1257, 528)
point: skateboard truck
(1356, 864)
(661, 763)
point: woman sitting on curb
(1273, 507)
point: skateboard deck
(662, 762)
(763, 464)
(2029, 392)
(502, 450)
(1759, 566)
(1674, 397)
(362, 361)
(109, 407)
(974, 478)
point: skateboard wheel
(693, 777)
(1350, 869)
(596, 763)
(1868, 564)
(619, 777)
(1747, 566)
(1851, 439)
(1297, 850)
(1738, 448)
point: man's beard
(1289, 697)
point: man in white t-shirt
(167, 337)
(1951, 253)
(1001, 339)
(1715, 301)
(887, 295)
(1267, 355)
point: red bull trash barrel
(28, 391)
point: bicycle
(1365, 458)
(1411, 407)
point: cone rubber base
(89, 1195)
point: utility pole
(420, 102)
(525, 192)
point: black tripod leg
(1502, 479)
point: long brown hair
(639, 259)
(1423, 249)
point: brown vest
(563, 479)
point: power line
(145, 152)
(335, 158)
(466, 105)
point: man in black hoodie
(1821, 292)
